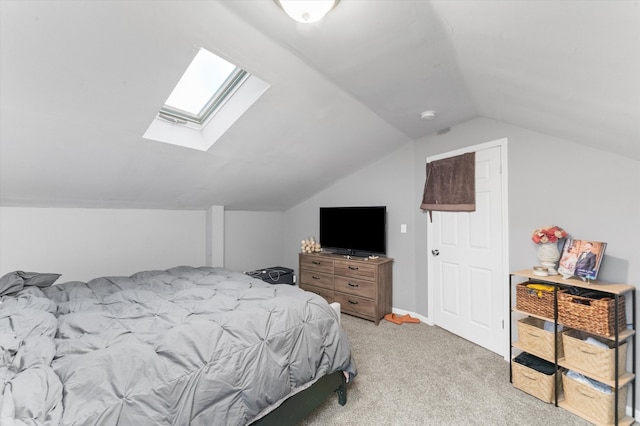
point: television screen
(354, 230)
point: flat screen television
(356, 231)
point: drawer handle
(352, 302)
(352, 285)
(315, 278)
(353, 268)
(315, 262)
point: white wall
(254, 240)
(214, 239)
(82, 244)
(388, 182)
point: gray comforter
(200, 346)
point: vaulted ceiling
(80, 82)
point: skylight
(209, 98)
(204, 86)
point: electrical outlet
(403, 228)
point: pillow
(38, 279)
(11, 283)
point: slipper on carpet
(409, 318)
(393, 318)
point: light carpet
(416, 374)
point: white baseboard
(413, 314)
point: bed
(183, 346)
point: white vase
(548, 256)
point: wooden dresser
(362, 286)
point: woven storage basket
(533, 338)
(593, 403)
(533, 382)
(594, 359)
(534, 302)
(591, 315)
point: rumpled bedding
(31, 391)
(198, 346)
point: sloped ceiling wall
(81, 81)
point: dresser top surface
(377, 261)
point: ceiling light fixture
(307, 11)
(428, 115)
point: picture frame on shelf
(581, 258)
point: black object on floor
(274, 275)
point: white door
(466, 261)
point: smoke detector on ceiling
(428, 115)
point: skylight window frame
(181, 126)
(224, 93)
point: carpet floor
(416, 374)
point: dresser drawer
(356, 287)
(317, 263)
(323, 292)
(316, 279)
(356, 305)
(360, 270)
(362, 287)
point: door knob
(435, 252)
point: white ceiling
(80, 82)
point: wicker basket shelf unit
(555, 325)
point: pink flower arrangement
(548, 234)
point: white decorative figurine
(310, 246)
